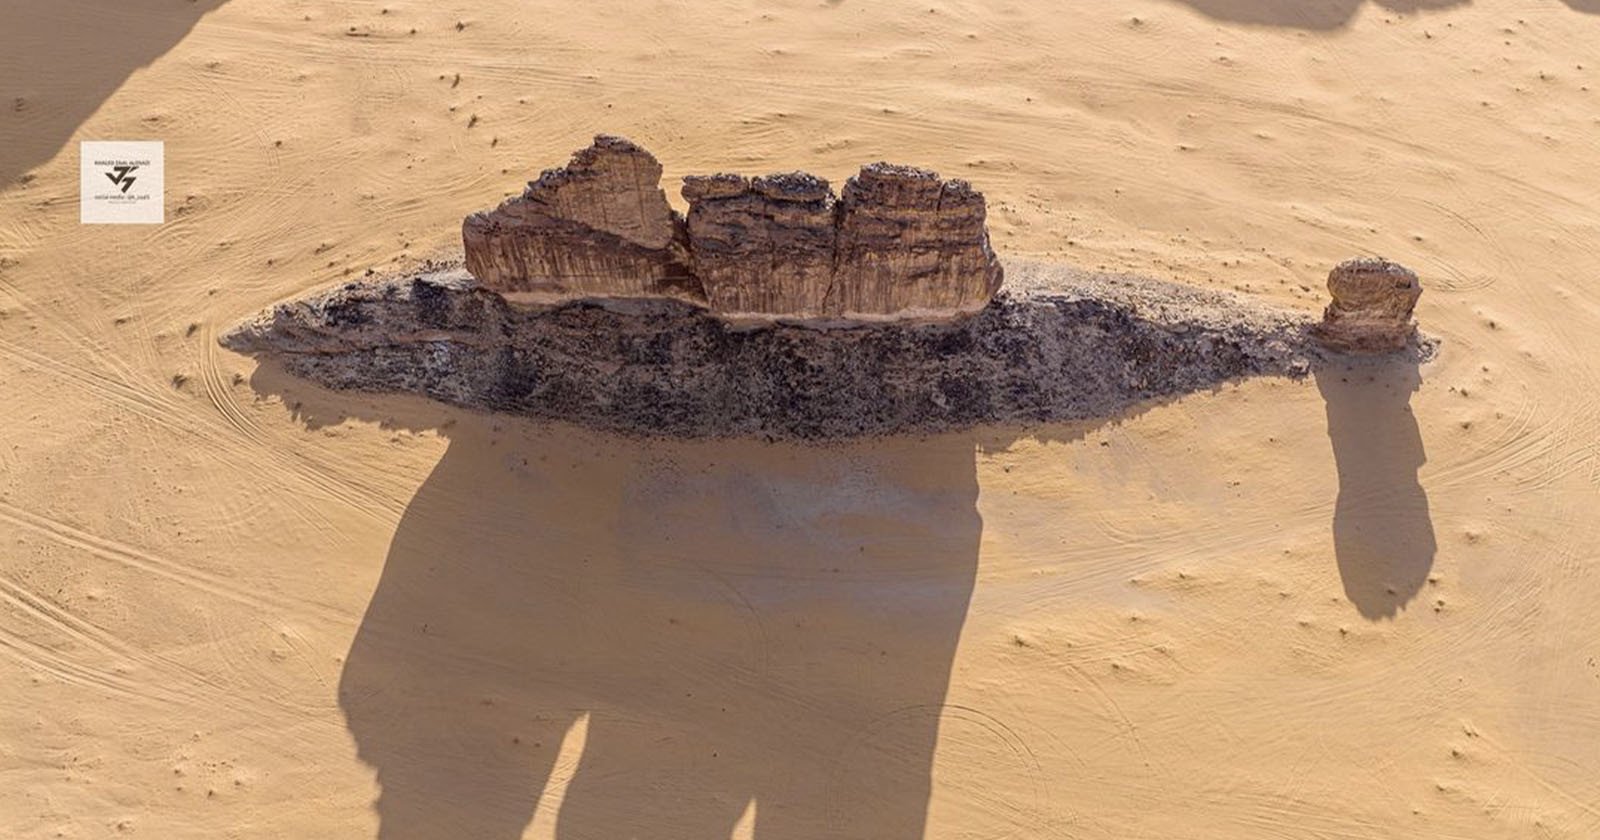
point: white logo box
(121, 182)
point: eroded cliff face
(762, 245)
(908, 240)
(899, 241)
(598, 227)
(1372, 304)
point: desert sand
(233, 604)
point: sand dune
(235, 604)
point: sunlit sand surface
(233, 604)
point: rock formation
(900, 241)
(588, 300)
(908, 240)
(762, 245)
(1061, 345)
(600, 226)
(1371, 309)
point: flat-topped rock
(911, 241)
(762, 245)
(900, 241)
(1373, 300)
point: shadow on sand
(617, 638)
(665, 639)
(1313, 14)
(698, 608)
(1382, 531)
(60, 61)
(640, 639)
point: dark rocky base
(1062, 346)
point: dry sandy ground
(234, 605)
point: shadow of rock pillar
(1382, 531)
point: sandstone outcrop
(899, 241)
(599, 226)
(1371, 310)
(762, 245)
(908, 240)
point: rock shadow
(621, 637)
(649, 638)
(1382, 531)
(50, 88)
(1309, 14)
(643, 638)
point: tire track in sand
(126, 555)
(353, 491)
(218, 437)
(166, 671)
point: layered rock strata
(1372, 304)
(910, 241)
(763, 245)
(600, 226)
(1063, 345)
(900, 241)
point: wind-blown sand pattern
(1359, 604)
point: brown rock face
(908, 240)
(900, 241)
(1371, 309)
(762, 245)
(599, 226)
